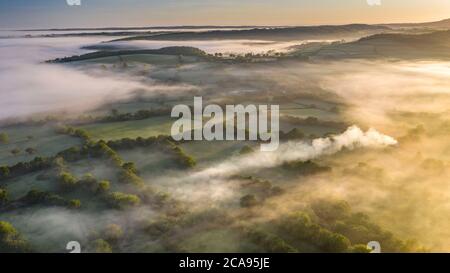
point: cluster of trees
(121, 200)
(173, 50)
(164, 142)
(22, 168)
(305, 167)
(4, 138)
(128, 143)
(11, 241)
(36, 197)
(68, 130)
(338, 217)
(313, 121)
(294, 134)
(30, 151)
(106, 240)
(268, 242)
(328, 226)
(248, 201)
(183, 159)
(247, 57)
(139, 115)
(246, 150)
(127, 171)
(67, 181)
(4, 172)
(299, 228)
(101, 246)
(264, 187)
(91, 183)
(17, 151)
(3, 197)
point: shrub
(128, 177)
(15, 151)
(131, 167)
(248, 201)
(103, 186)
(3, 197)
(11, 241)
(30, 151)
(74, 204)
(35, 197)
(4, 138)
(113, 233)
(246, 150)
(4, 172)
(305, 167)
(269, 242)
(122, 200)
(102, 246)
(67, 181)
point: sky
(17, 14)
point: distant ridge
(443, 24)
(141, 28)
(271, 34)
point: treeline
(139, 115)
(11, 241)
(258, 190)
(23, 168)
(68, 130)
(163, 142)
(313, 121)
(308, 167)
(42, 198)
(325, 226)
(174, 50)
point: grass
(44, 140)
(132, 129)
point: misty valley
(87, 153)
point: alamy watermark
(374, 2)
(241, 123)
(73, 2)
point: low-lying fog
(412, 197)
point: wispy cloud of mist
(352, 138)
(28, 86)
(211, 183)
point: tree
(113, 233)
(269, 242)
(246, 150)
(248, 201)
(102, 246)
(103, 186)
(11, 241)
(130, 166)
(74, 204)
(4, 172)
(121, 200)
(333, 242)
(114, 112)
(67, 181)
(4, 138)
(31, 151)
(3, 197)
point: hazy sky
(96, 13)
